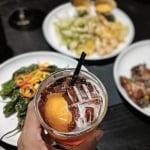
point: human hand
(31, 135)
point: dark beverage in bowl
(70, 113)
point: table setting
(116, 43)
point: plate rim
(34, 53)
(115, 75)
(23, 55)
(68, 4)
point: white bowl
(135, 54)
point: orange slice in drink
(57, 112)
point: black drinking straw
(78, 68)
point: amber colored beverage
(70, 113)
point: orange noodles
(27, 90)
(28, 83)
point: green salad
(21, 88)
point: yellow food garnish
(57, 113)
(27, 90)
(28, 83)
(105, 5)
(44, 64)
(88, 47)
(103, 8)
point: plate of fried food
(132, 75)
(20, 77)
(101, 33)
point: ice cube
(75, 111)
(73, 94)
(92, 90)
(89, 114)
(92, 109)
(83, 92)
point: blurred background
(138, 10)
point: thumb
(31, 121)
(90, 143)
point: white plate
(135, 54)
(67, 10)
(11, 65)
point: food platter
(7, 69)
(136, 54)
(67, 10)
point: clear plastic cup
(86, 100)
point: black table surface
(124, 127)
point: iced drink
(70, 113)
